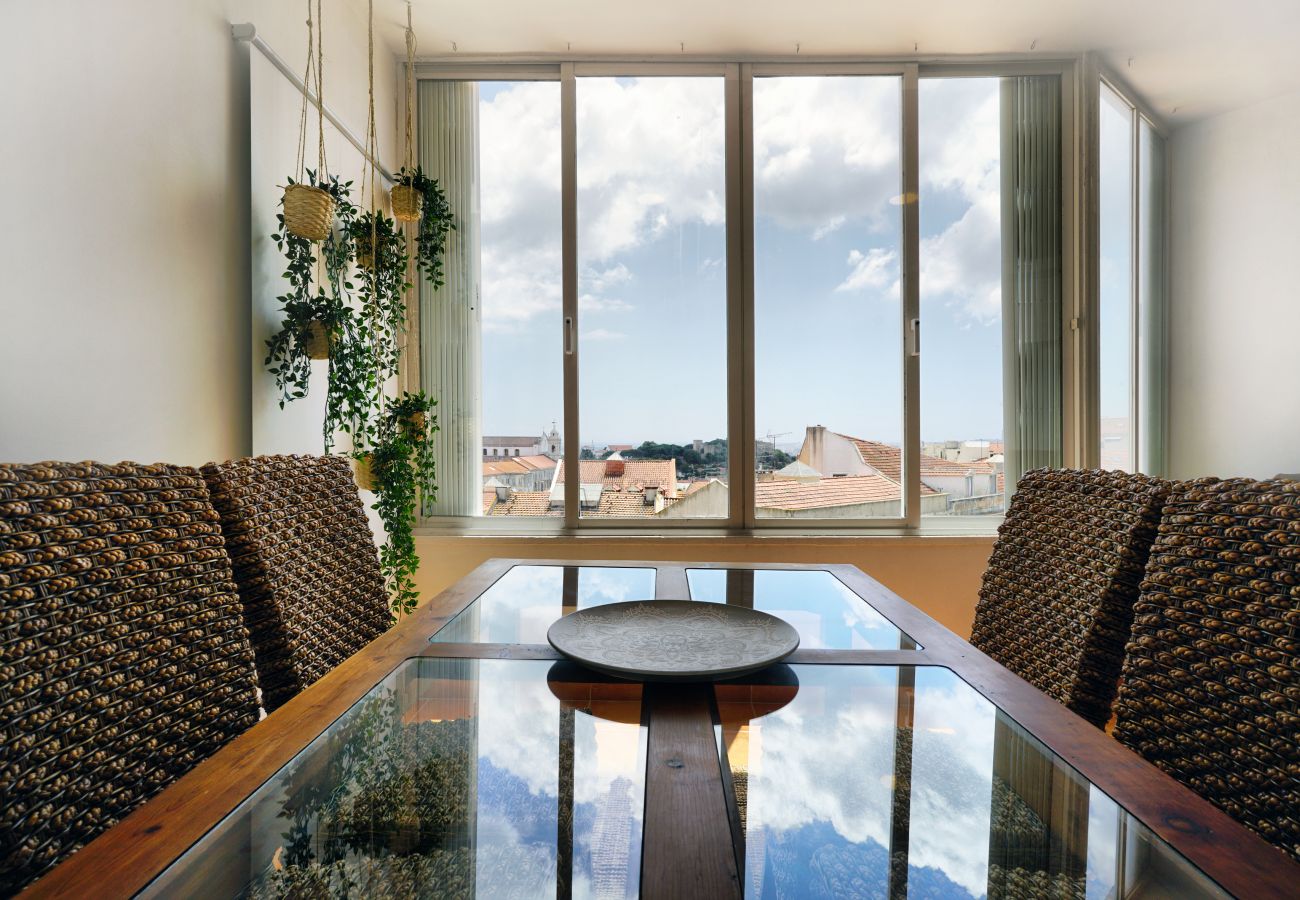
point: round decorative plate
(673, 640)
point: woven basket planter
(317, 344)
(415, 423)
(308, 211)
(365, 253)
(365, 472)
(408, 203)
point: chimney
(614, 468)
(812, 453)
(650, 494)
(503, 493)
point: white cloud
(873, 269)
(651, 158)
(602, 334)
(826, 151)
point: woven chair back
(124, 660)
(1056, 603)
(1211, 690)
(305, 562)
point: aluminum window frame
(1079, 382)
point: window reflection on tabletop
(485, 778)
(821, 608)
(522, 604)
(873, 781)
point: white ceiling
(1198, 57)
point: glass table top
(892, 781)
(825, 612)
(521, 605)
(451, 778)
(526, 778)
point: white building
(549, 443)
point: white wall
(1235, 279)
(125, 327)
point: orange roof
(637, 474)
(516, 465)
(844, 491)
(623, 505)
(489, 497)
(525, 503)
(888, 461)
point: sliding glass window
(1131, 282)
(652, 298)
(846, 280)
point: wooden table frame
(124, 859)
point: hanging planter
(316, 342)
(363, 467)
(408, 203)
(434, 216)
(308, 211)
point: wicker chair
(1211, 689)
(305, 562)
(1056, 603)
(124, 660)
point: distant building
(549, 444)
(617, 488)
(521, 473)
(970, 487)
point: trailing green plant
(312, 303)
(381, 288)
(403, 467)
(436, 222)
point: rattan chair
(124, 660)
(1056, 603)
(1211, 690)
(305, 562)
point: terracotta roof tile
(888, 461)
(637, 474)
(845, 491)
(526, 503)
(623, 505)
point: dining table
(461, 755)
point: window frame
(1139, 113)
(738, 75)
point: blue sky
(651, 255)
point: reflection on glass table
(884, 781)
(522, 604)
(451, 778)
(819, 606)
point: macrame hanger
(410, 89)
(322, 167)
(307, 78)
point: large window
(1131, 281)
(845, 280)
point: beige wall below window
(941, 576)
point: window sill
(541, 530)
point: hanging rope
(410, 89)
(313, 76)
(307, 78)
(322, 169)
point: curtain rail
(248, 33)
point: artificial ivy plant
(404, 472)
(310, 307)
(436, 222)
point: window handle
(570, 338)
(914, 337)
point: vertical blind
(450, 318)
(1031, 273)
